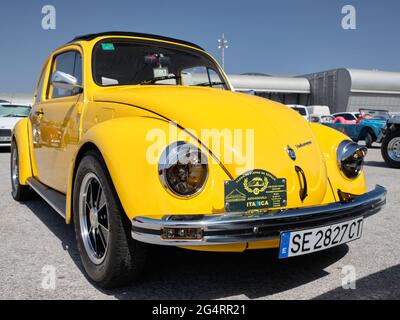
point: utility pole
(222, 45)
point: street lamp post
(222, 45)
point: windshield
(375, 114)
(128, 62)
(12, 110)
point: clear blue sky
(276, 36)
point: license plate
(297, 243)
(5, 139)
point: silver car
(10, 114)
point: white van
(300, 109)
(319, 110)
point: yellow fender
(329, 140)
(21, 136)
(125, 144)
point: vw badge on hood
(291, 153)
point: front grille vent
(5, 133)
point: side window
(70, 63)
(348, 116)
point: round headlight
(350, 157)
(183, 169)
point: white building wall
(374, 101)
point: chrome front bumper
(5, 145)
(239, 227)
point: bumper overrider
(240, 227)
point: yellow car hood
(275, 128)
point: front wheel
(368, 140)
(391, 149)
(110, 256)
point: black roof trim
(92, 36)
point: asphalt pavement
(39, 259)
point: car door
(56, 122)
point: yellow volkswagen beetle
(141, 139)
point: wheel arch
(21, 137)
(366, 130)
(84, 149)
(329, 140)
(130, 148)
(109, 140)
(394, 126)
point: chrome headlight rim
(345, 150)
(163, 165)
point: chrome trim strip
(230, 228)
(55, 199)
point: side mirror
(65, 81)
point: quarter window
(38, 97)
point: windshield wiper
(13, 116)
(154, 80)
(210, 84)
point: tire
(111, 258)
(390, 144)
(368, 139)
(19, 192)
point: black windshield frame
(154, 43)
